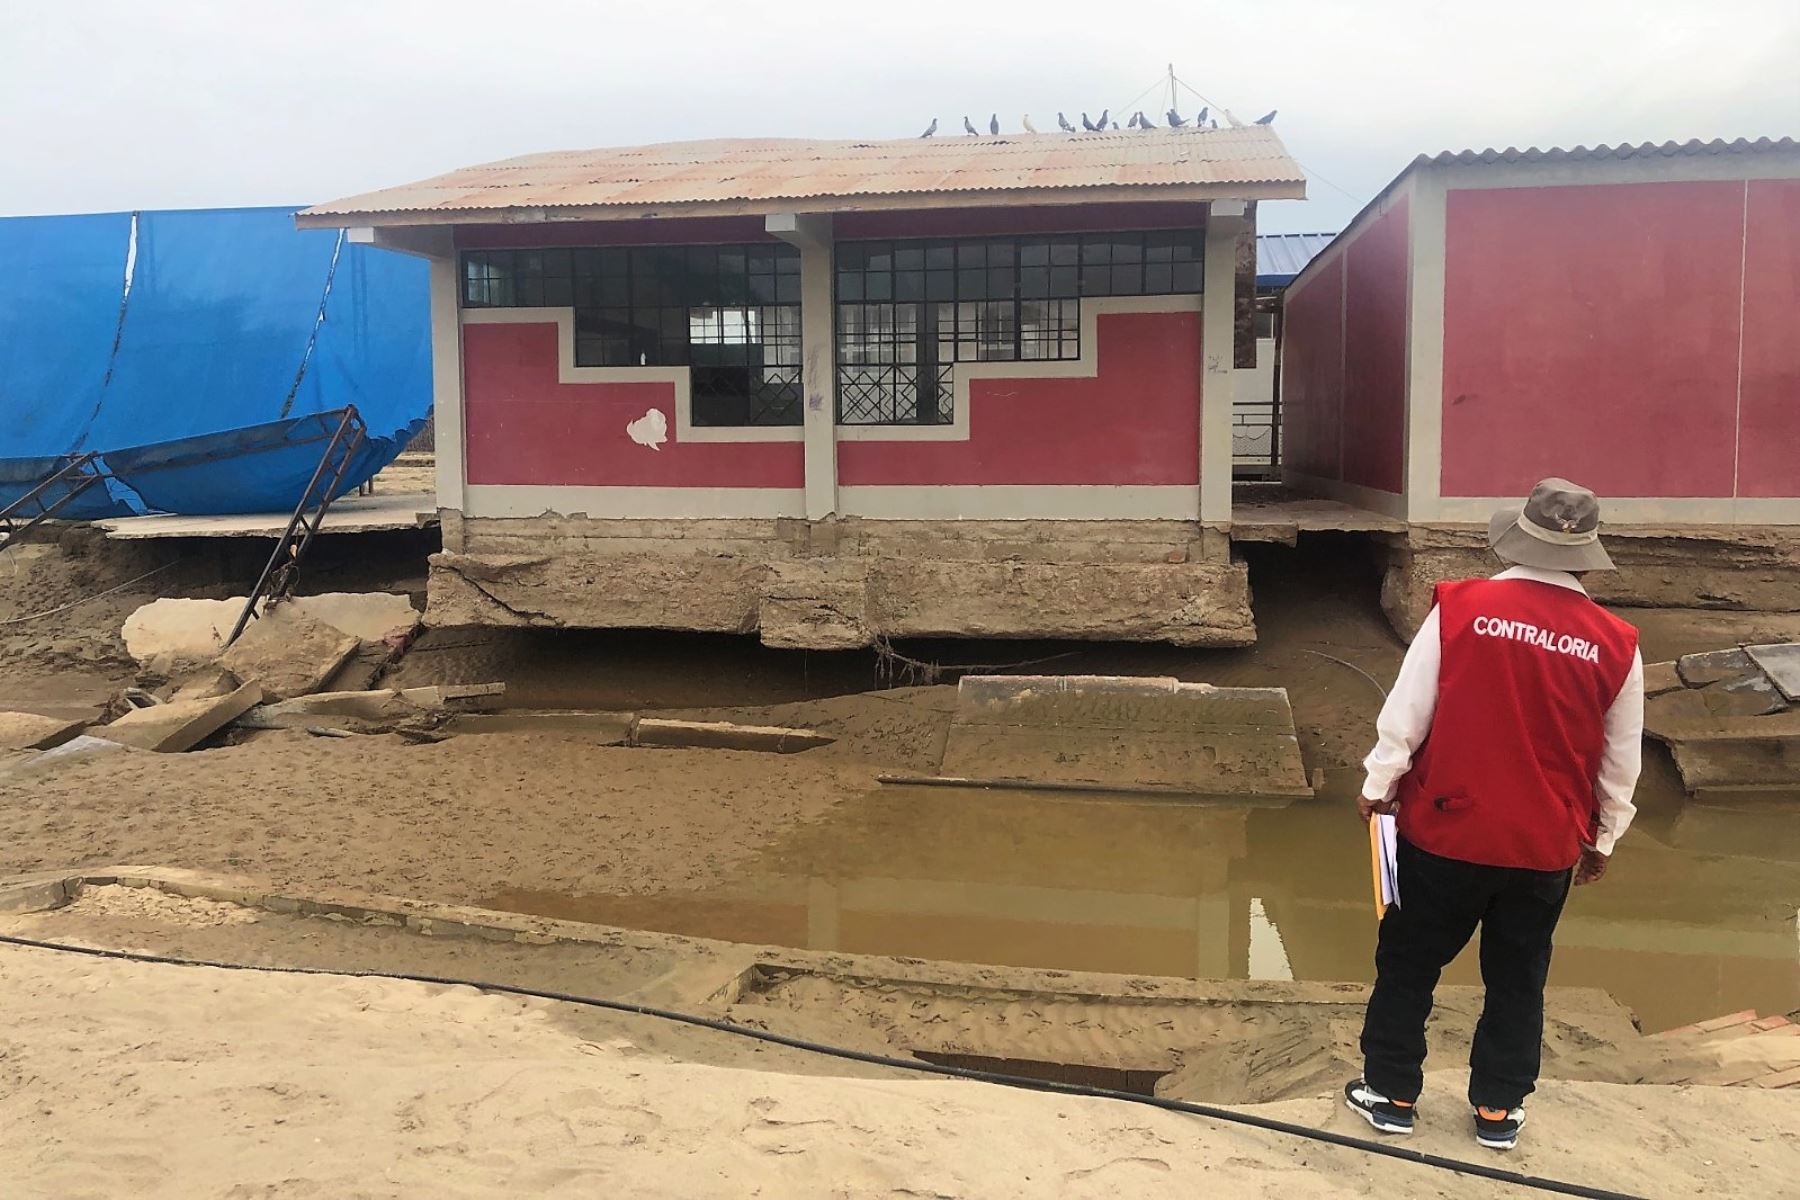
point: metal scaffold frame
(75, 476)
(283, 568)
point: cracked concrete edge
(714, 976)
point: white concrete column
(1218, 383)
(447, 383)
(1425, 348)
(811, 232)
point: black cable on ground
(1386, 1150)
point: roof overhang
(994, 198)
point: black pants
(1442, 900)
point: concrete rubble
(29, 731)
(288, 653)
(1731, 722)
(175, 634)
(182, 724)
(378, 711)
(1132, 733)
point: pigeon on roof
(1064, 122)
(930, 129)
(1145, 122)
(1102, 121)
(1026, 121)
(1200, 118)
(1176, 121)
(994, 124)
(1132, 124)
(1267, 118)
(1089, 125)
(969, 127)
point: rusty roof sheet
(1211, 162)
(1554, 154)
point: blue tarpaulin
(173, 342)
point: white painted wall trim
(1022, 503)
(963, 374)
(1218, 354)
(602, 503)
(680, 377)
(1427, 242)
(446, 382)
(1386, 503)
(1643, 510)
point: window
(907, 312)
(729, 313)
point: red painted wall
(1312, 373)
(1769, 436)
(1375, 340)
(1592, 332)
(1136, 423)
(522, 426)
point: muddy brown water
(1677, 931)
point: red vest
(1506, 776)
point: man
(1508, 750)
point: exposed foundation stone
(1747, 569)
(843, 584)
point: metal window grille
(907, 312)
(730, 313)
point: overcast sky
(176, 103)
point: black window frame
(984, 285)
(729, 312)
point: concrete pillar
(446, 383)
(811, 232)
(1225, 219)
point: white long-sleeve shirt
(1406, 719)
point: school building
(832, 392)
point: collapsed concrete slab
(1732, 727)
(29, 731)
(288, 653)
(184, 724)
(1127, 733)
(723, 735)
(174, 633)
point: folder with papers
(1384, 870)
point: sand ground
(124, 1079)
(157, 1081)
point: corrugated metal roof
(1695, 148)
(1281, 256)
(1211, 163)
(1587, 153)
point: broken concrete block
(1781, 663)
(1698, 670)
(1659, 678)
(288, 653)
(1125, 731)
(206, 685)
(365, 616)
(77, 747)
(182, 725)
(168, 634)
(466, 694)
(28, 731)
(723, 735)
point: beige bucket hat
(1557, 530)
